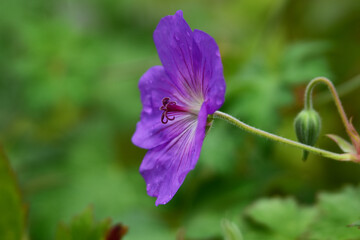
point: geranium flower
(177, 99)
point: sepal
(344, 145)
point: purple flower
(177, 99)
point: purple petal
(174, 42)
(192, 60)
(165, 167)
(188, 88)
(209, 69)
(154, 85)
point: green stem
(244, 126)
(343, 89)
(308, 99)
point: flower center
(170, 109)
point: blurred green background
(69, 104)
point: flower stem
(273, 137)
(308, 99)
(343, 89)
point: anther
(167, 107)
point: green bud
(307, 126)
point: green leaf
(344, 145)
(336, 212)
(282, 216)
(334, 217)
(12, 211)
(84, 227)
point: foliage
(12, 209)
(283, 218)
(83, 227)
(69, 103)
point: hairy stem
(273, 137)
(343, 89)
(308, 99)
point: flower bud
(307, 126)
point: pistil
(169, 109)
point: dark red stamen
(168, 107)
